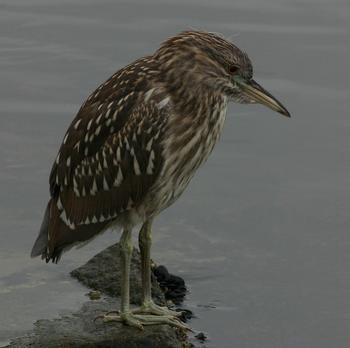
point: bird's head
(202, 60)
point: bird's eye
(233, 69)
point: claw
(102, 316)
(98, 317)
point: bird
(135, 144)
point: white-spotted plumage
(99, 119)
(76, 125)
(136, 166)
(135, 144)
(119, 178)
(105, 184)
(93, 190)
(149, 93)
(89, 124)
(163, 102)
(150, 164)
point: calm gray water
(262, 235)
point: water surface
(262, 234)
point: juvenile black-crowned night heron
(134, 146)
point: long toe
(160, 320)
(139, 320)
(125, 318)
(152, 308)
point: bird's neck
(195, 110)
(197, 127)
(201, 109)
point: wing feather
(105, 112)
(118, 176)
(110, 157)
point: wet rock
(103, 273)
(94, 295)
(174, 287)
(201, 337)
(186, 314)
(79, 330)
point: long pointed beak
(259, 95)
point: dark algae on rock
(174, 287)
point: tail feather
(46, 245)
(55, 236)
(41, 242)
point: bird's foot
(150, 307)
(141, 320)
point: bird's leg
(126, 316)
(145, 242)
(148, 306)
(126, 252)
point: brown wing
(105, 112)
(119, 175)
(109, 158)
(113, 181)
